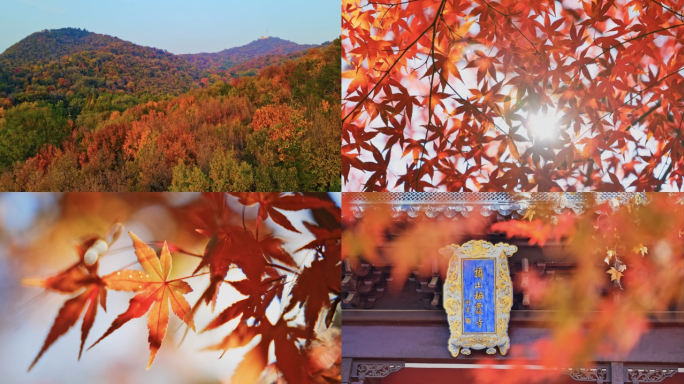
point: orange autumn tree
(284, 124)
(627, 251)
(506, 95)
(308, 294)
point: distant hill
(70, 61)
(49, 45)
(233, 56)
(72, 65)
(253, 66)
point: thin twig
(514, 26)
(625, 103)
(432, 80)
(622, 43)
(667, 171)
(670, 9)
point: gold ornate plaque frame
(453, 296)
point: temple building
(476, 305)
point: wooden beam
(519, 317)
(416, 342)
(617, 373)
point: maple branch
(590, 170)
(626, 102)
(432, 80)
(622, 43)
(391, 4)
(667, 171)
(392, 66)
(385, 13)
(514, 26)
(187, 277)
(669, 9)
(282, 267)
(645, 115)
(256, 235)
(463, 100)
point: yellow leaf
(640, 249)
(614, 274)
(529, 214)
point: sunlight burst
(544, 126)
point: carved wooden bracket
(598, 375)
(647, 374)
(362, 370)
(618, 373)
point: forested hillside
(68, 65)
(104, 114)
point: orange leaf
(157, 293)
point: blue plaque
(478, 292)
(478, 296)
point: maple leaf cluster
(306, 349)
(506, 95)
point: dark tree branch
(681, 17)
(432, 80)
(671, 165)
(622, 43)
(627, 102)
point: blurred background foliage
(38, 234)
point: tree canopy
(274, 131)
(513, 95)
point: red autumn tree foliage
(202, 140)
(525, 95)
(285, 125)
(307, 293)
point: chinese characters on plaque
(478, 292)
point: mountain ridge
(230, 57)
(53, 64)
(67, 41)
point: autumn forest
(86, 111)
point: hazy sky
(175, 25)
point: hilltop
(228, 58)
(49, 45)
(62, 63)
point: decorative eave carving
(454, 205)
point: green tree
(227, 174)
(188, 178)
(27, 127)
